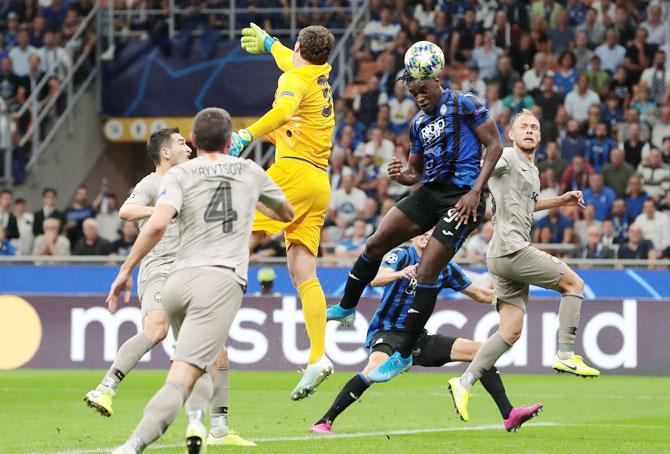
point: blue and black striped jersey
(398, 295)
(447, 141)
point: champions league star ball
(424, 60)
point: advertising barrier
(625, 336)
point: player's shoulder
(419, 119)
(150, 179)
(396, 255)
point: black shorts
(429, 351)
(433, 205)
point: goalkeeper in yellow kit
(300, 124)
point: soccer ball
(424, 60)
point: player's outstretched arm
(478, 293)
(255, 40)
(567, 199)
(387, 275)
(488, 135)
(406, 175)
(131, 212)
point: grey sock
(494, 347)
(126, 359)
(196, 405)
(568, 321)
(159, 413)
(219, 404)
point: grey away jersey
(158, 261)
(515, 186)
(215, 197)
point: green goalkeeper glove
(255, 40)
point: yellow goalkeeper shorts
(307, 188)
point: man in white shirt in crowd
(578, 101)
(661, 129)
(654, 225)
(379, 147)
(54, 59)
(381, 33)
(24, 220)
(346, 202)
(400, 106)
(21, 53)
(655, 174)
(534, 76)
(611, 53)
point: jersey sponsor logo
(433, 130)
(411, 288)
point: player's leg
(447, 238)
(219, 432)
(410, 217)
(155, 329)
(571, 287)
(350, 392)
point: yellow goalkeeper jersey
(301, 120)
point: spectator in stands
(637, 247)
(547, 10)
(562, 34)
(353, 246)
(642, 103)
(553, 161)
(578, 101)
(592, 27)
(486, 56)
(425, 12)
(662, 128)
(635, 196)
(599, 79)
(506, 76)
(624, 25)
(617, 173)
(639, 55)
(566, 76)
(518, 100)
(54, 59)
(593, 247)
(492, 100)
(655, 174)
(383, 121)
(109, 222)
(657, 77)
(582, 52)
(20, 54)
(24, 221)
(549, 98)
(465, 36)
(51, 242)
(11, 91)
(593, 119)
(620, 87)
(346, 202)
(477, 245)
(55, 13)
(612, 114)
(380, 148)
(600, 196)
(665, 153)
(634, 147)
(388, 74)
(39, 29)
(611, 52)
(124, 244)
(473, 83)
(367, 175)
(576, 175)
(620, 222)
(10, 34)
(48, 210)
(380, 34)
(533, 78)
(599, 148)
(91, 243)
(366, 103)
(659, 30)
(583, 225)
(357, 128)
(6, 246)
(75, 214)
(7, 219)
(555, 227)
(654, 225)
(270, 246)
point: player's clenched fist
(395, 168)
(409, 272)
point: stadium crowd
(596, 73)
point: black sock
(349, 394)
(419, 313)
(364, 271)
(493, 384)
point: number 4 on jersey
(220, 208)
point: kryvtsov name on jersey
(232, 168)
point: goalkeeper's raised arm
(302, 92)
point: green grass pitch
(42, 411)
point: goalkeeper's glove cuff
(239, 140)
(268, 42)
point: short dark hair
(316, 44)
(159, 139)
(20, 201)
(212, 128)
(6, 191)
(45, 191)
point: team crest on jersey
(392, 258)
(158, 297)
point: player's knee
(375, 247)
(221, 358)
(510, 333)
(156, 332)
(572, 284)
